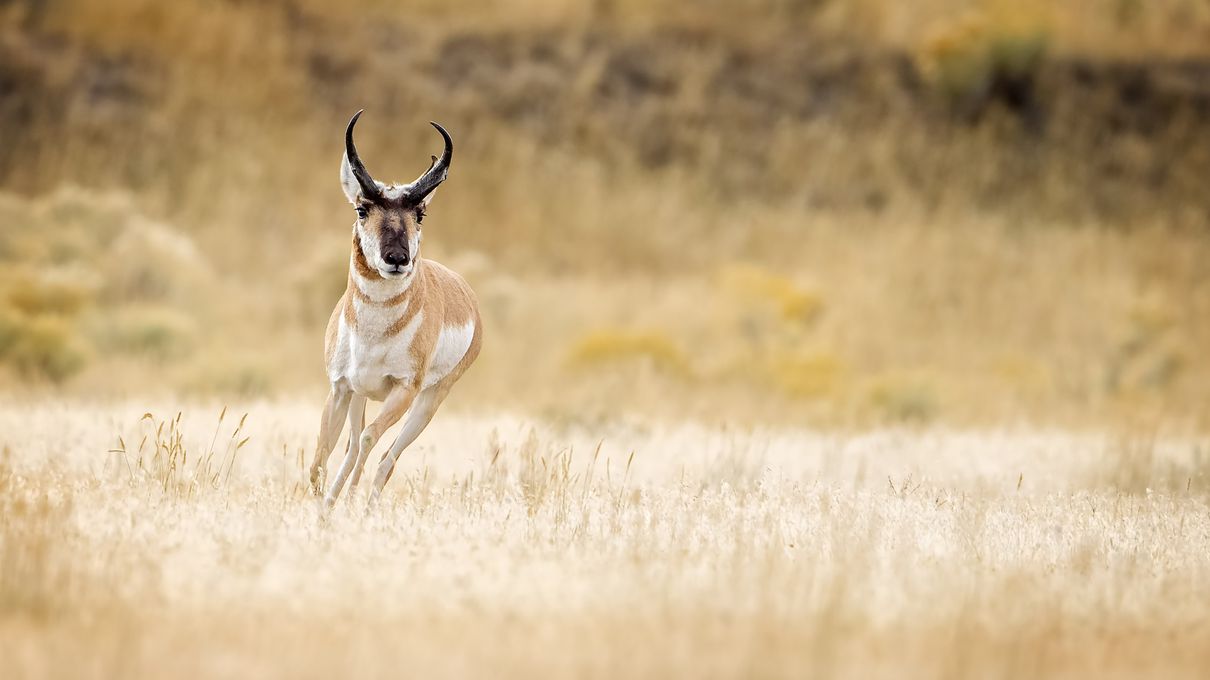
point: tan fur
(448, 301)
(442, 300)
(333, 327)
(404, 330)
(402, 322)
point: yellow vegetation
(906, 396)
(1004, 43)
(805, 374)
(759, 287)
(605, 346)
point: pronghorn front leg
(364, 453)
(330, 426)
(357, 419)
(397, 403)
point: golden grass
(511, 549)
(173, 222)
(965, 237)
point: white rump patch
(452, 344)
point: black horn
(369, 188)
(437, 172)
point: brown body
(445, 297)
(404, 331)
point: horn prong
(438, 171)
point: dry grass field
(823, 338)
(509, 549)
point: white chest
(373, 352)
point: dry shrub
(39, 330)
(772, 324)
(52, 292)
(155, 332)
(990, 54)
(42, 346)
(1025, 374)
(904, 396)
(1150, 354)
(154, 262)
(600, 348)
(806, 374)
(230, 372)
(39, 336)
(791, 302)
(76, 243)
(85, 269)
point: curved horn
(368, 187)
(437, 172)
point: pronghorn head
(389, 215)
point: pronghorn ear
(348, 181)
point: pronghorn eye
(362, 212)
(419, 216)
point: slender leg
(393, 407)
(357, 413)
(397, 403)
(364, 453)
(330, 426)
(422, 412)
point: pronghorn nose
(396, 257)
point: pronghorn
(404, 331)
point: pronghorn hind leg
(331, 423)
(393, 407)
(397, 403)
(418, 418)
(422, 412)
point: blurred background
(826, 212)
